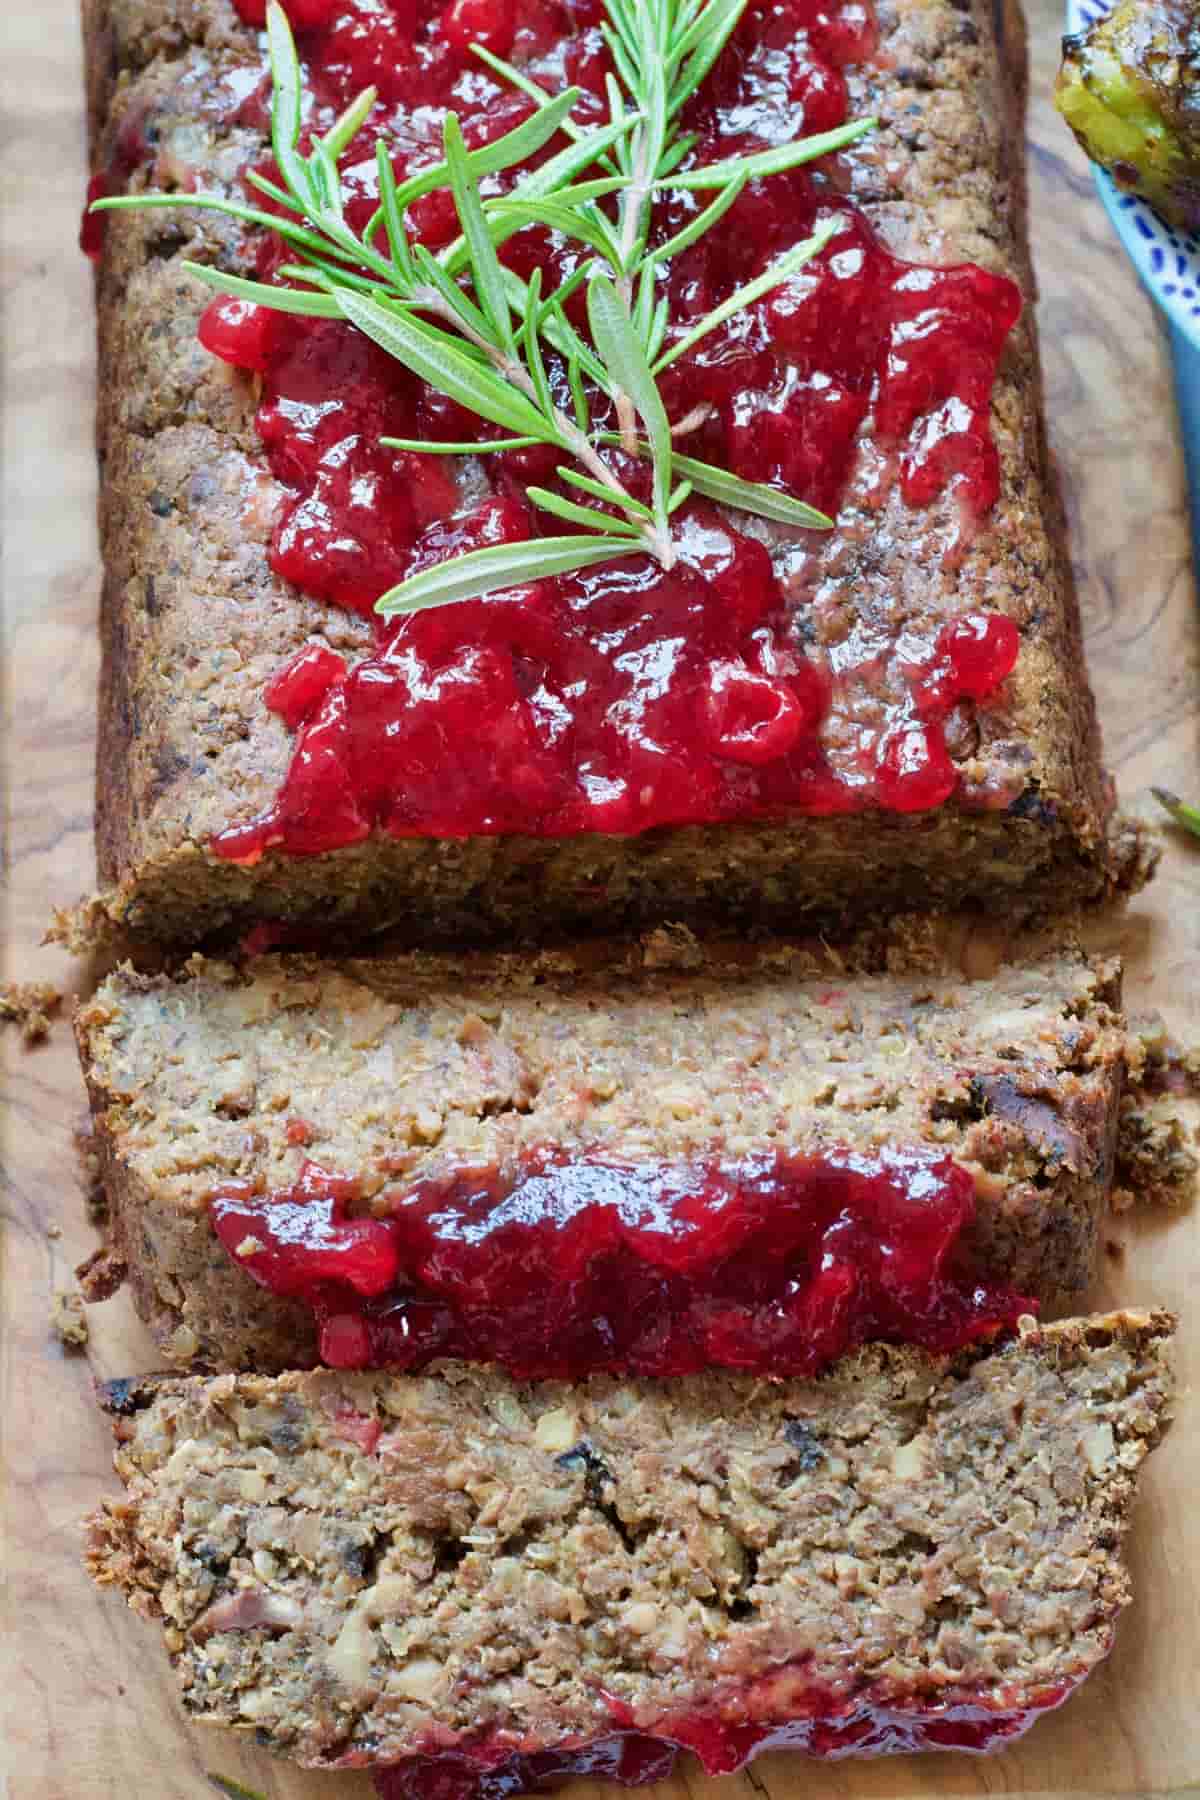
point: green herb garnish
(234, 1789)
(478, 333)
(1180, 811)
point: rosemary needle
(234, 1789)
(1180, 811)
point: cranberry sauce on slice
(629, 1759)
(834, 1726)
(629, 696)
(775, 1263)
(829, 1726)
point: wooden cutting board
(92, 1710)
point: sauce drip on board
(831, 1726)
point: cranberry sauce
(628, 1759)
(628, 696)
(91, 230)
(776, 1263)
(830, 1727)
(128, 151)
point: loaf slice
(644, 1160)
(195, 624)
(907, 1553)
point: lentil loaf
(363, 1569)
(417, 1068)
(195, 623)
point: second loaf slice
(601, 1159)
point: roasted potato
(1129, 88)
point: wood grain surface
(89, 1699)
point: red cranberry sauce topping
(777, 1264)
(625, 697)
(830, 1727)
(129, 150)
(91, 229)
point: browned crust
(513, 1557)
(672, 1051)
(942, 179)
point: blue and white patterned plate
(1167, 261)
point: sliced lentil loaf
(906, 1552)
(417, 1068)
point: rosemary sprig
(478, 333)
(225, 1784)
(1180, 811)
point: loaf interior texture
(355, 1568)
(195, 624)
(416, 1066)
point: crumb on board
(1167, 1066)
(31, 1005)
(1155, 1162)
(68, 1321)
(101, 1274)
(83, 930)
